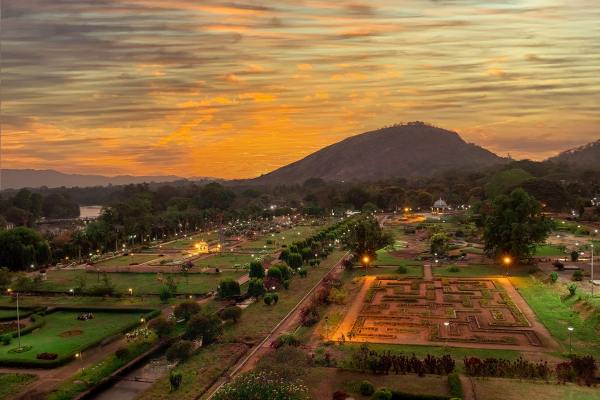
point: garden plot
(460, 311)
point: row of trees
(24, 207)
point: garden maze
(460, 310)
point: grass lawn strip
(11, 384)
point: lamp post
(570, 328)
(592, 277)
(365, 261)
(18, 322)
(507, 260)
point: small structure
(201, 247)
(440, 207)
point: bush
(275, 297)
(165, 294)
(366, 388)
(268, 299)
(231, 313)
(206, 326)
(574, 255)
(256, 270)
(186, 310)
(286, 284)
(162, 326)
(454, 385)
(337, 296)
(401, 270)
(47, 356)
(553, 277)
(309, 315)
(287, 339)
(256, 287)
(382, 394)
(122, 353)
(303, 272)
(180, 351)
(453, 268)
(577, 275)
(275, 273)
(5, 340)
(175, 379)
(572, 289)
(228, 288)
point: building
(440, 207)
(201, 247)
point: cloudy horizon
(236, 89)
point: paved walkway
(427, 274)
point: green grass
(384, 257)
(48, 338)
(286, 237)
(477, 270)
(188, 243)
(141, 283)
(123, 261)
(225, 260)
(80, 301)
(89, 377)
(513, 389)
(557, 314)
(548, 250)
(11, 384)
(412, 271)
(458, 353)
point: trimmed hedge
(24, 312)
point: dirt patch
(71, 333)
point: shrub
(454, 385)
(401, 270)
(228, 288)
(262, 385)
(175, 379)
(366, 388)
(256, 287)
(122, 353)
(577, 275)
(309, 315)
(275, 297)
(256, 270)
(337, 296)
(287, 339)
(453, 268)
(268, 299)
(572, 289)
(275, 273)
(206, 326)
(180, 350)
(186, 310)
(382, 394)
(574, 255)
(47, 356)
(165, 294)
(286, 284)
(162, 326)
(231, 313)
(294, 260)
(5, 340)
(303, 272)
(553, 277)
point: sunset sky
(236, 89)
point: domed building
(440, 206)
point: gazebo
(440, 206)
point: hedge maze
(460, 310)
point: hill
(32, 178)
(410, 151)
(587, 156)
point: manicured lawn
(557, 314)
(81, 301)
(548, 250)
(141, 283)
(412, 271)
(513, 389)
(225, 260)
(127, 260)
(286, 237)
(11, 384)
(322, 382)
(64, 335)
(199, 372)
(477, 270)
(384, 257)
(458, 353)
(188, 243)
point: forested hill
(587, 156)
(409, 151)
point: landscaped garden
(61, 335)
(122, 261)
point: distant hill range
(31, 178)
(587, 156)
(412, 150)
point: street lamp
(130, 291)
(507, 260)
(72, 291)
(365, 260)
(570, 328)
(592, 250)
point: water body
(90, 212)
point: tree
(256, 287)
(231, 313)
(366, 237)
(275, 273)
(180, 350)
(256, 270)
(175, 379)
(5, 278)
(186, 310)
(21, 247)
(228, 288)
(514, 225)
(294, 260)
(162, 326)
(205, 326)
(439, 243)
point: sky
(234, 89)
